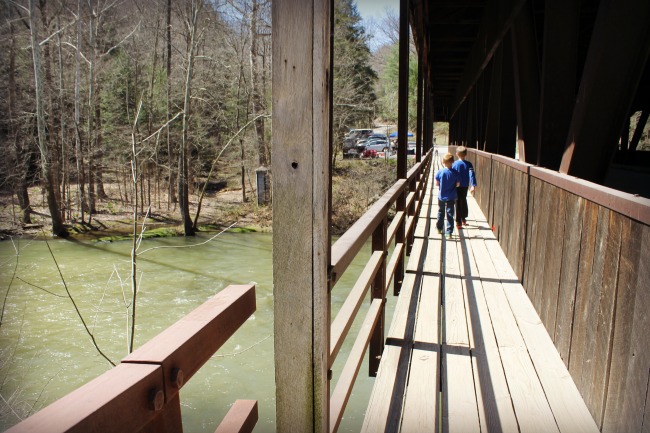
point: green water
(46, 353)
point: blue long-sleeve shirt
(465, 170)
(447, 180)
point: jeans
(461, 204)
(448, 208)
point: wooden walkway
(466, 351)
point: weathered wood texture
(301, 200)
(581, 258)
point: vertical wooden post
(377, 289)
(526, 72)
(558, 81)
(301, 208)
(419, 131)
(428, 118)
(402, 130)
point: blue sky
(372, 11)
(375, 8)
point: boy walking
(447, 180)
(465, 170)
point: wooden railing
(376, 277)
(142, 393)
(580, 251)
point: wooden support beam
(419, 131)
(617, 54)
(508, 116)
(497, 20)
(379, 240)
(402, 130)
(428, 117)
(558, 83)
(301, 210)
(493, 121)
(526, 67)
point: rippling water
(45, 352)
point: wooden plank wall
(585, 265)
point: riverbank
(356, 184)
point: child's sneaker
(439, 231)
(459, 226)
(448, 236)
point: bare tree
(192, 38)
(58, 229)
(20, 154)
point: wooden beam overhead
(616, 58)
(527, 82)
(497, 20)
(558, 81)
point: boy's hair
(448, 159)
(461, 151)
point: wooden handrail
(373, 222)
(343, 321)
(143, 390)
(348, 246)
(341, 393)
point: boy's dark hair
(461, 151)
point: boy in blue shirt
(447, 180)
(465, 171)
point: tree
(193, 39)
(354, 78)
(58, 229)
(390, 86)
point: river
(46, 353)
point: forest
(147, 107)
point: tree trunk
(99, 149)
(171, 198)
(19, 154)
(81, 175)
(52, 132)
(258, 105)
(58, 228)
(91, 117)
(65, 178)
(183, 169)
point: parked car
(351, 146)
(379, 145)
(410, 148)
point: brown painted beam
(241, 418)
(186, 345)
(617, 54)
(526, 68)
(558, 83)
(126, 398)
(497, 20)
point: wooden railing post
(377, 290)
(412, 187)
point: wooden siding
(583, 262)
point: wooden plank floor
(466, 351)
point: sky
(372, 11)
(375, 8)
